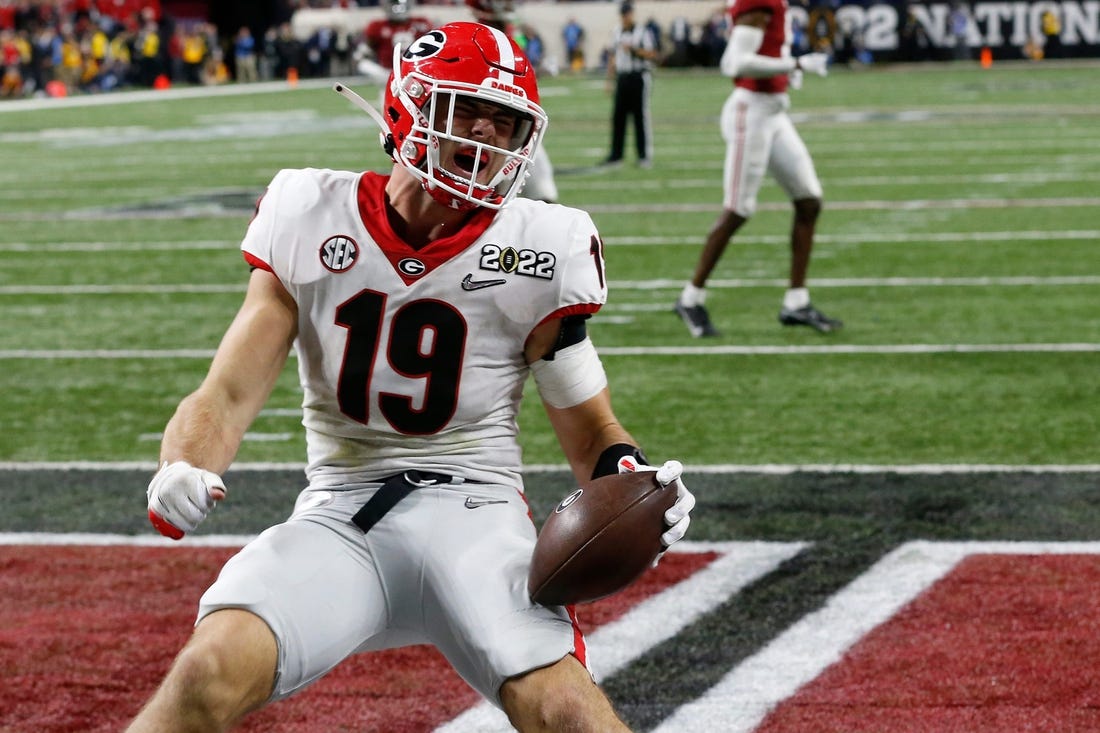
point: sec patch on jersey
(599, 539)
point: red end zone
(1001, 643)
(88, 632)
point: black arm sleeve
(608, 462)
(573, 331)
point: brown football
(599, 539)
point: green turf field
(957, 243)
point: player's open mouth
(465, 158)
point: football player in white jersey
(418, 303)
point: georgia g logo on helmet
(426, 46)
(462, 61)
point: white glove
(814, 63)
(677, 516)
(180, 497)
(794, 79)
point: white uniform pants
(446, 566)
(760, 138)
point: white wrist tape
(573, 376)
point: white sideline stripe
(777, 469)
(729, 350)
(614, 645)
(840, 282)
(742, 699)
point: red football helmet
(461, 60)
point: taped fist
(814, 63)
(677, 517)
(180, 497)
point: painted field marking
(1031, 235)
(775, 469)
(612, 646)
(744, 697)
(644, 285)
(615, 645)
(868, 205)
(249, 437)
(727, 350)
(893, 206)
(878, 182)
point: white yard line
(864, 282)
(894, 206)
(883, 181)
(249, 437)
(727, 350)
(1031, 235)
(153, 289)
(734, 350)
(130, 97)
(865, 205)
(51, 247)
(646, 285)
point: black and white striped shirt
(626, 41)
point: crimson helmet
(436, 70)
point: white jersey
(413, 359)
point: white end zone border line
(653, 621)
(742, 699)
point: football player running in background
(540, 177)
(399, 27)
(419, 302)
(760, 138)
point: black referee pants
(631, 100)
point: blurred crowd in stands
(65, 47)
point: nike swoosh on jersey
(468, 283)
(472, 503)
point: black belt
(394, 489)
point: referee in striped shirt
(630, 64)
